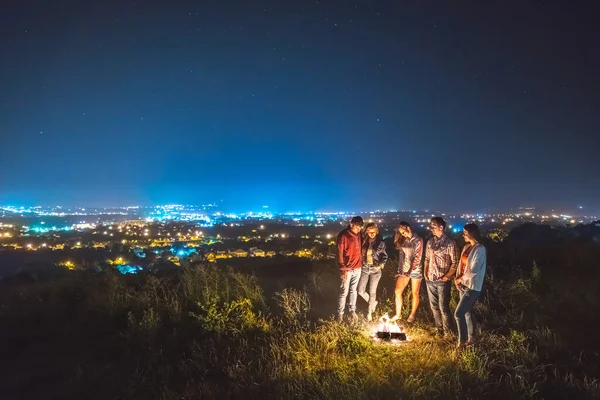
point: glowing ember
(389, 331)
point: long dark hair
(473, 231)
(398, 238)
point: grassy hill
(267, 332)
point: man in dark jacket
(349, 244)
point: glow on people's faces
(355, 228)
(436, 229)
(404, 231)
(467, 236)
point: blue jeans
(348, 291)
(372, 276)
(463, 315)
(439, 301)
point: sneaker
(411, 318)
(395, 318)
(369, 317)
(353, 316)
(340, 318)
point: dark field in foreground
(265, 331)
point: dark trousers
(439, 301)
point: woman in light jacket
(469, 280)
(410, 247)
(374, 259)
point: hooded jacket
(349, 250)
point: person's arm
(454, 257)
(342, 246)
(458, 278)
(460, 255)
(383, 256)
(427, 260)
(418, 255)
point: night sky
(300, 104)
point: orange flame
(386, 325)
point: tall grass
(207, 332)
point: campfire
(388, 331)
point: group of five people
(362, 257)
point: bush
(295, 305)
(232, 318)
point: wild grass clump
(294, 305)
(233, 318)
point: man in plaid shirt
(441, 260)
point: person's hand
(458, 283)
(344, 275)
(444, 279)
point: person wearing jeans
(439, 302)
(374, 259)
(469, 282)
(349, 245)
(348, 296)
(441, 261)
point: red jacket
(349, 250)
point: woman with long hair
(374, 259)
(410, 248)
(469, 281)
